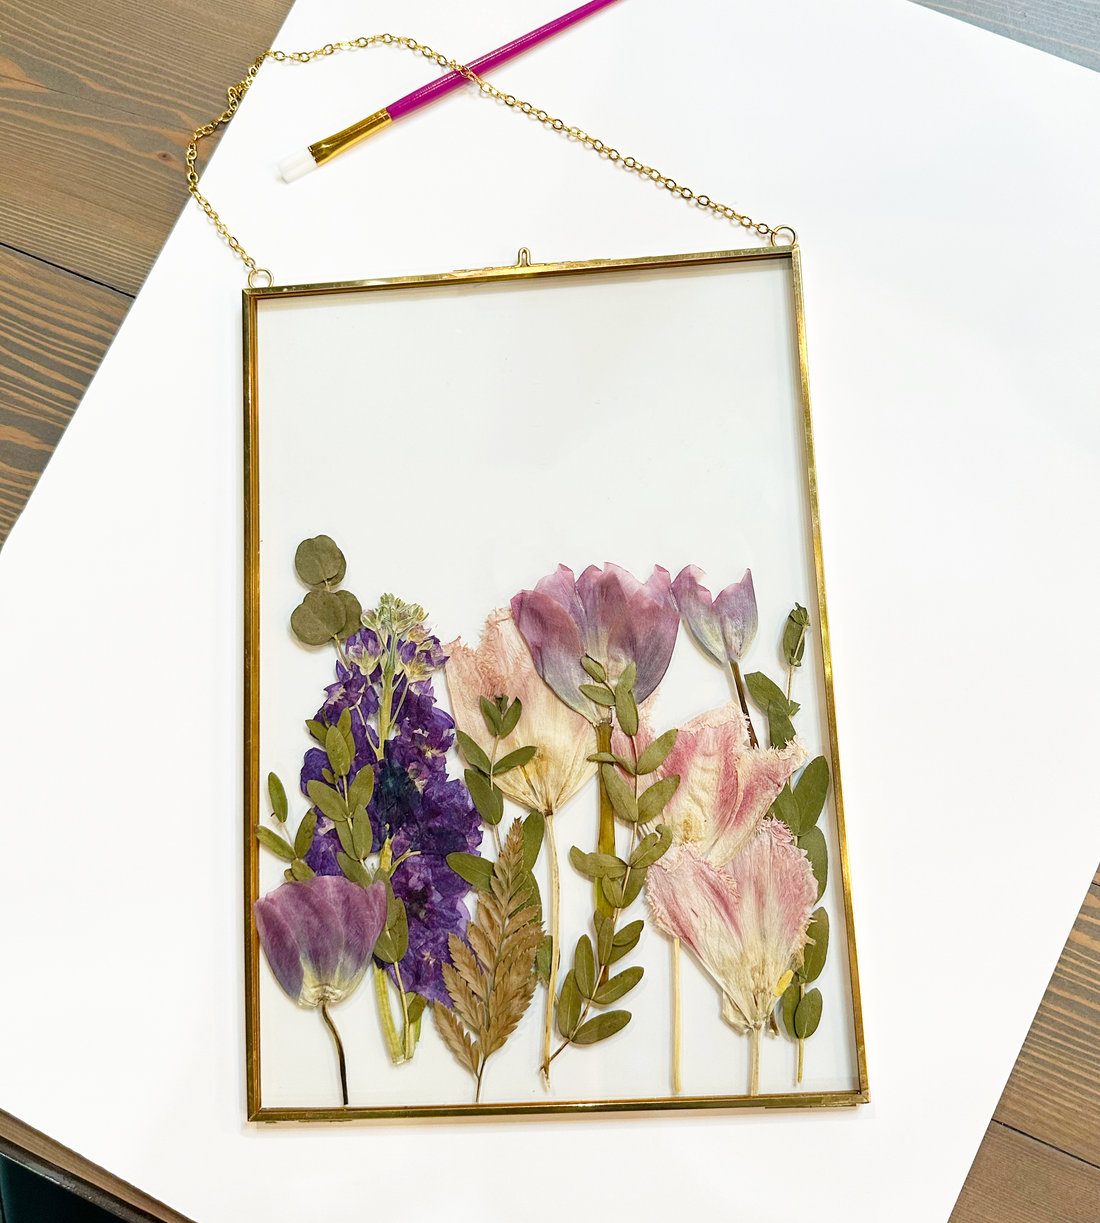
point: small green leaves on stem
(534, 827)
(274, 842)
(794, 635)
(393, 942)
(303, 838)
(817, 948)
(624, 802)
(652, 802)
(601, 1027)
(473, 752)
(788, 1004)
(515, 760)
(594, 668)
(808, 1015)
(319, 562)
(336, 748)
(775, 704)
(626, 708)
(597, 866)
(602, 696)
(490, 711)
(654, 756)
(801, 808)
(813, 842)
(488, 800)
(277, 794)
(329, 801)
(611, 758)
(477, 871)
(651, 848)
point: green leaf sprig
(281, 843)
(589, 985)
(501, 719)
(800, 808)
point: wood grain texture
(1016, 1179)
(1069, 29)
(44, 1155)
(98, 99)
(54, 329)
(1054, 1091)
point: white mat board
(942, 183)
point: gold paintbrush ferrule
(331, 145)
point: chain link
(236, 92)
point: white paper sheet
(941, 183)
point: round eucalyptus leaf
(319, 560)
(808, 1015)
(353, 613)
(318, 618)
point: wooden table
(96, 100)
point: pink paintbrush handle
(445, 84)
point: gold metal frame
(522, 270)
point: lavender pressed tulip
(608, 615)
(318, 935)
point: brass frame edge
(251, 298)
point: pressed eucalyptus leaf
(654, 755)
(626, 710)
(595, 669)
(362, 837)
(347, 840)
(533, 828)
(785, 808)
(318, 618)
(491, 714)
(353, 613)
(601, 1027)
(632, 887)
(510, 720)
(319, 560)
(473, 752)
(600, 695)
(300, 870)
(810, 792)
(626, 680)
(317, 729)
(328, 800)
(808, 1015)
(475, 870)
(277, 795)
(605, 932)
(652, 848)
(544, 958)
(584, 966)
(626, 806)
(336, 748)
(788, 1004)
(569, 1006)
(814, 954)
(653, 801)
(613, 891)
(597, 866)
(813, 842)
(622, 983)
(514, 760)
(274, 842)
(361, 790)
(354, 870)
(487, 798)
(303, 838)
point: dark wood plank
(88, 1180)
(97, 101)
(1069, 29)
(54, 329)
(1053, 1093)
(1018, 1180)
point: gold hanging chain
(236, 92)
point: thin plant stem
(754, 1071)
(555, 950)
(389, 1028)
(605, 843)
(801, 1040)
(406, 1027)
(480, 1073)
(339, 1051)
(740, 685)
(677, 1032)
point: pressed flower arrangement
(561, 842)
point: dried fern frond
(492, 981)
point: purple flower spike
(319, 934)
(724, 629)
(608, 615)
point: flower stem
(801, 1040)
(605, 843)
(555, 951)
(740, 683)
(389, 1029)
(677, 1034)
(339, 1051)
(406, 1027)
(754, 1072)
